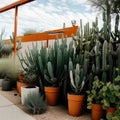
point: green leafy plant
(110, 94)
(114, 116)
(35, 103)
(94, 95)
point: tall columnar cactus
(97, 57)
(104, 61)
(118, 57)
(106, 26)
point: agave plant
(35, 103)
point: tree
(110, 6)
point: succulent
(77, 77)
(30, 78)
(35, 103)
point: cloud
(4, 3)
(40, 15)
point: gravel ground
(53, 113)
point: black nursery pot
(6, 85)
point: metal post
(15, 28)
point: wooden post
(15, 28)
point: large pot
(52, 95)
(75, 104)
(25, 90)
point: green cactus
(104, 61)
(77, 78)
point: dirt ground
(52, 113)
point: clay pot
(20, 78)
(97, 112)
(111, 110)
(19, 85)
(75, 103)
(52, 95)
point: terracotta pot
(19, 85)
(75, 103)
(97, 112)
(111, 110)
(20, 78)
(52, 95)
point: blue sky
(43, 15)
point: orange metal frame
(49, 35)
(11, 6)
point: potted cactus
(77, 83)
(54, 71)
(52, 88)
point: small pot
(52, 95)
(97, 112)
(20, 78)
(19, 85)
(1, 80)
(111, 110)
(6, 85)
(75, 104)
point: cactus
(77, 78)
(104, 61)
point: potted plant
(53, 73)
(9, 68)
(34, 62)
(111, 96)
(115, 115)
(52, 88)
(30, 87)
(94, 99)
(77, 83)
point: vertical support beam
(15, 28)
(47, 42)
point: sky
(42, 15)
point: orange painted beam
(13, 5)
(49, 35)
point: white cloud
(3, 3)
(41, 16)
